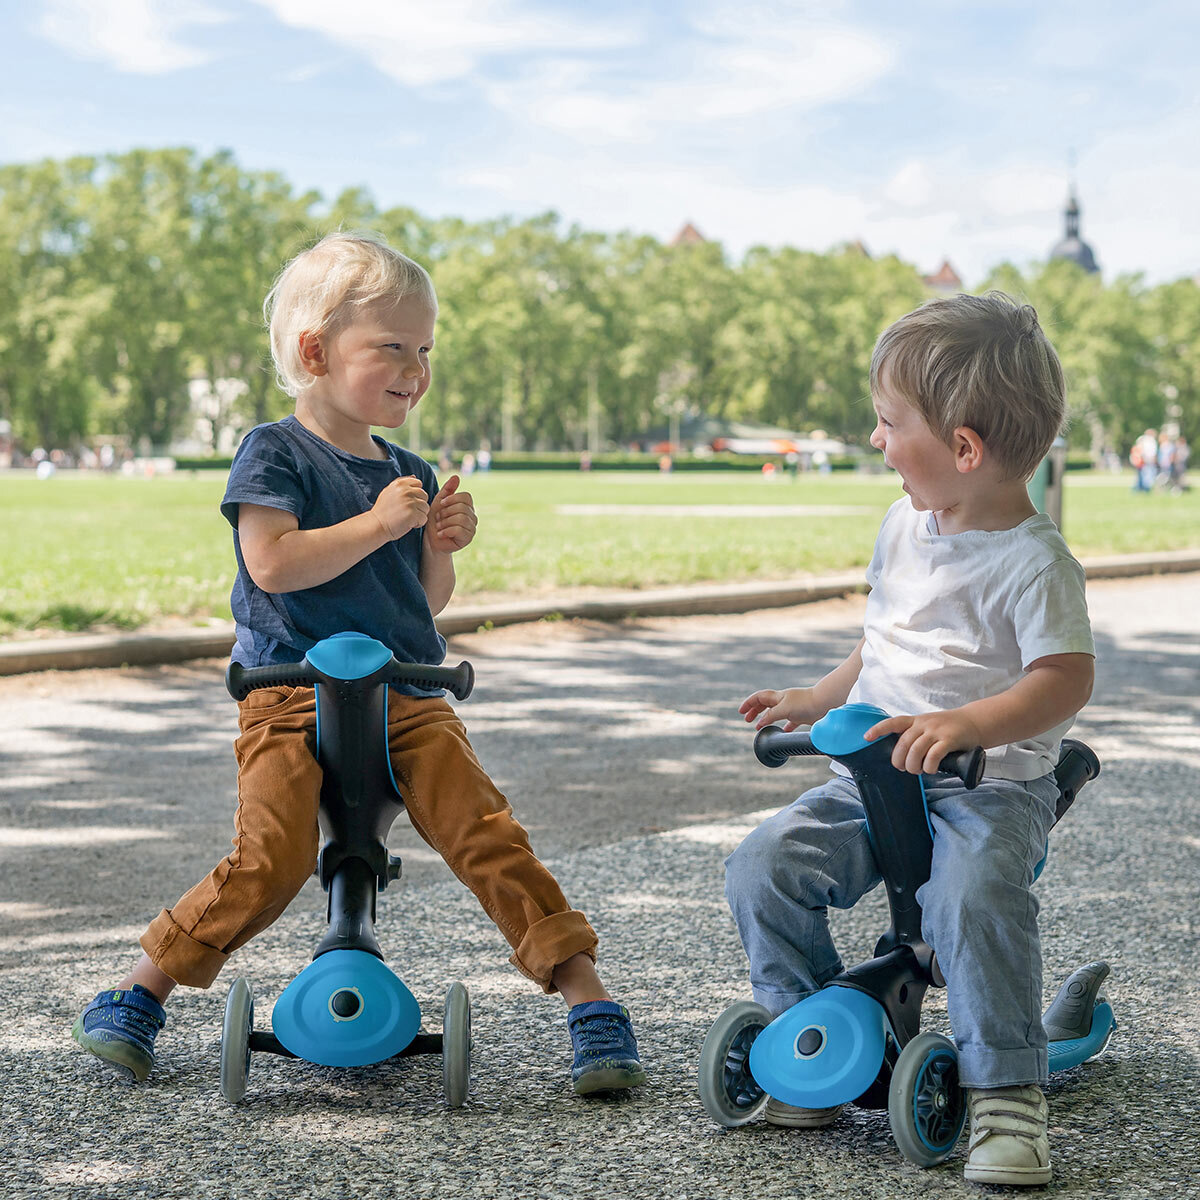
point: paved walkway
(620, 747)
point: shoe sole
(784, 1121)
(129, 1062)
(610, 1079)
(1008, 1176)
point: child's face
(377, 368)
(926, 465)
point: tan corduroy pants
(450, 800)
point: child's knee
(975, 894)
(750, 869)
(280, 877)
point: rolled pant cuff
(979, 1067)
(184, 959)
(777, 1003)
(551, 941)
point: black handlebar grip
(966, 764)
(241, 681)
(773, 746)
(458, 681)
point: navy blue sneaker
(120, 1027)
(606, 1053)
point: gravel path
(621, 749)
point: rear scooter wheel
(235, 1041)
(456, 1046)
(926, 1104)
(727, 1088)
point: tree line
(123, 277)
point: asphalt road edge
(81, 651)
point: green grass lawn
(84, 551)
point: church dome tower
(1072, 246)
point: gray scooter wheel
(926, 1105)
(456, 1046)
(235, 1041)
(727, 1088)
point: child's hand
(925, 740)
(792, 706)
(402, 506)
(452, 520)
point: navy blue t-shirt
(283, 465)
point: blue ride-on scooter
(857, 1040)
(347, 1008)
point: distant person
(1144, 460)
(1179, 464)
(317, 500)
(976, 633)
(1166, 458)
(483, 460)
(665, 464)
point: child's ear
(312, 353)
(968, 449)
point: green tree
(1172, 322)
(246, 226)
(49, 307)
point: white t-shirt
(958, 617)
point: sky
(931, 130)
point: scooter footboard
(1080, 1021)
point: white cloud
(1138, 220)
(549, 69)
(1021, 190)
(910, 187)
(418, 43)
(137, 36)
(657, 198)
(733, 69)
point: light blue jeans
(978, 912)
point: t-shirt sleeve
(1051, 614)
(265, 472)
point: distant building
(1072, 246)
(946, 281)
(689, 235)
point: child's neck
(990, 510)
(350, 436)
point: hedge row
(566, 461)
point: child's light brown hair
(322, 289)
(982, 362)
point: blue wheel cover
(852, 1028)
(387, 1019)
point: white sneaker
(1009, 1141)
(792, 1117)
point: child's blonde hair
(323, 287)
(983, 362)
